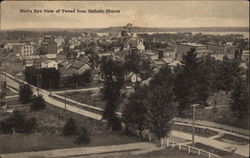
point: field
(49, 133)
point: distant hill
(140, 29)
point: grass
(163, 153)
(198, 131)
(50, 123)
(233, 139)
(79, 106)
(216, 151)
(220, 115)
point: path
(143, 147)
(83, 90)
(55, 102)
(241, 149)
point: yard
(49, 133)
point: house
(8, 46)
(49, 64)
(79, 67)
(137, 43)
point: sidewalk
(83, 151)
(241, 149)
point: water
(245, 34)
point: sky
(139, 13)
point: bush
(38, 103)
(18, 122)
(25, 93)
(84, 136)
(116, 124)
(69, 127)
(30, 125)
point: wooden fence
(191, 149)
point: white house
(49, 64)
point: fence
(191, 149)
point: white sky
(139, 13)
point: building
(183, 48)
(49, 64)
(8, 46)
(215, 48)
(48, 45)
(79, 67)
(245, 56)
(23, 49)
(229, 49)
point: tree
(38, 103)
(85, 77)
(132, 61)
(230, 71)
(69, 128)
(114, 79)
(160, 103)
(84, 136)
(191, 84)
(152, 107)
(240, 99)
(25, 93)
(30, 124)
(135, 112)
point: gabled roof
(78, 64)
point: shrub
(69, 127)
(84, 136)
(116, 124)
(38, 103)
(25, 93)
(30, 125)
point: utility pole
(50, 87)
(65, 96)
(193, 134)
(37, 84)
(77, 93)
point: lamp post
(193, 134)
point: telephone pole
(193, 134)
(65, 96)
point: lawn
(233, 139)
(224, 154)
(164, 153)
(223, 115)
(93, 98)
(198, 131)
(49, 133)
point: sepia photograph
(124, 79)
